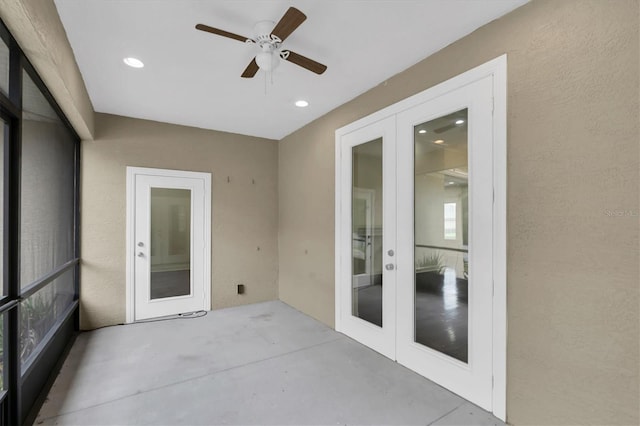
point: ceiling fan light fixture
(269, 39)
(267, 61)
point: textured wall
(572, 203)
(38, 30)
(244, 214)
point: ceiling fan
(269, 39)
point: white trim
(206, 268)
(500, 237)
(338, 223)
(498, 69)
(132, 172)
(130, 277)
(477, 73)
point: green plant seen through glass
(36, 317)
(431, 263)
(37, 314)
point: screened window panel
(47, 188)
(40, 311)
(3, 285)
(4, 67)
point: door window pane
(441, 235)
(170, 242)
(47, 188)
(366, 232)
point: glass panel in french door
(441, 212)
(366, 232)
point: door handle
(140, 254)
(389, 266)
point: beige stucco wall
(244, 214)
(572, 159)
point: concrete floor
(258, 364)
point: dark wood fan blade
(445, 128)
(307, 63)
(220, 32)
(288, 24)
(251, 69)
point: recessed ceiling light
(422, 131)
(439, 141)
(451, 183)
(302, 104)
(459, 121)
(133, 62)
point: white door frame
(497, 69)
(132, 172)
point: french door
(426, 300)
(368, 294)
(169, 242)
(445, 241)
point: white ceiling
(193, 78)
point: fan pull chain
(268, 76)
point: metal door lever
(140, 254)
(389, 266)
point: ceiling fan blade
(305, 62)
(251, 69)
(288, 24)
(445, 128)
(220, 32)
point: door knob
(391, 252)
(140, 254)
(389, 266)
(140, 244)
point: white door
(445, 214)
(368, 293)
(169, 243)
(429, 301)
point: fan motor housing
(262, 30)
